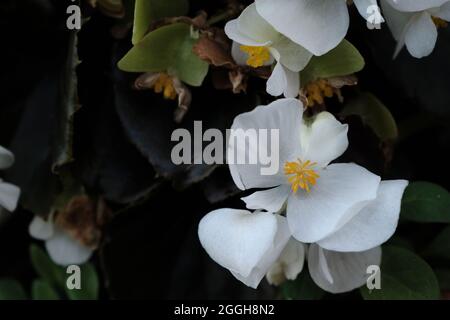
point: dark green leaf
(341, 61)
(303, 288)
(46, 268)
(147, 11)
(42, 290)
(443, 276)
(11, 289)
(167, 49)
(426, 202)
(439, 248)
(374, 114)
(404, 276)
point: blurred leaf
(398, 241)
(42, 143)
(374, 114)
(147, 11)
(42, 290)
(167, 49)
(426, 202)
(89, 285)
(341, 61)
(404, 276)
(11, 289)
(439, 248)
(46, 268)
(303, 288)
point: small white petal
(415, 5)
(324, 140)
(9, 196)
(293, 56)
(284, 116)
(40, 229)
(340, 188)
(444, 12)
(289, 264)
(341, 272)
(271, 200)
(252, 25)
(421, 36)
(373, 225)
(245, 243)
(6, 158)
(233, 32)
(368, 9)
(283, 81)
(64, 250)
(318, 25)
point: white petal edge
(6, 158)
(271, 200)
(289, 264)
(421, 36)
(40, 229)
(373, 225)
(344, 271)
(9, 196)
(64, 250)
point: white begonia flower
(322, 198)
(247, 244)
(317, 25)
(63, 249)
(9, 194)
(258, 44)
(335, 272)
(414, 23)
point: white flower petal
(6, 158)
(340, 272)
(293, 56)
(252, 25)
(444, 12)
(9, 196)
(245, 243)
(283, 115)
(396, 20)
(283, 81)
(271, 200)
(65, 250)
(318, 25)
(324, 140)
(340, 188)
(233, 32)
(373, 225)
(289, 264)
(40, 229)
(415, 5)
(421, 36)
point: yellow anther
(440, 23)
(257, 56)
(318, 90)
(164, 84)
(301, 174)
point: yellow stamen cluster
(440, 23)
(164, 84)
(317, 91)
(301, 174)
(257, 56)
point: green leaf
(404, 276)
(11, 289)
(341, 61)
(167, 49)
(89, 285)
(439, 248)
(302, 288)
(426, 202)
(374, 114)
(147, 11)
(42, 290)
(45, 267)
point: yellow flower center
(439, 22)
(317, 91)
(164, 84)
(301, 174)
(257, 56)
